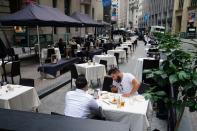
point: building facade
(156, 12)
(184, 15)
(132, 14)
(93, 8)
(119, 10)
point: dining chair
(50, 52)
(143, 88)
(103, 62)
(149, 64)
(11, 55)
(74, 74)
(15, 70)
(126, 50)
(27, 82)
(117, 58)
(107, 83)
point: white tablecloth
(111, 60)
(8, 67)
(44, 54)
(134, 113)
(20, 98)
(122, 48)
(138, 68)
(91, 72)
(128, 44)
(122, 53)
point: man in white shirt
(78, 103)
(124, 83)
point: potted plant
(175, 80)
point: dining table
(44, 53)
(91, 70)
(124, 47)
(133, 111)
(122, 53)
(18, 97)
(111, 60)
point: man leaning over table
(78, 103)
(124, 83)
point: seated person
(124, 83)
(72, 42)
(78, 103)
(61, 46)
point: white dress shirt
(79, 104)
(125, 86)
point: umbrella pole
(53, 35)
(39, 49)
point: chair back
(107, 83)
(23, 50)
(15, 70)
(117, 57)
(50, 52)
(143, 88)
(27, 82)
(10, 52)
(126, 49)
(150, 64)
(103, 62)
(73, 70)
(153, 50)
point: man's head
(116, 74)
(81, 82)
(60, 40)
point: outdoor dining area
(95, 65)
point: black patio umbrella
(85, 19)
(39, 15)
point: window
(54, 3)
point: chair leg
(71, 83)
(12, 80)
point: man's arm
(136, 86)
(93, 105)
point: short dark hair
(113, 71)
(81, 82)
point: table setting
(132, 110)
(18, 97)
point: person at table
(124, 83)
(61, 46)
(78, 103)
